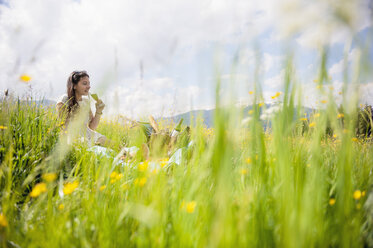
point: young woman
(72, 105)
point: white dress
(88, 135)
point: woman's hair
(73, 80)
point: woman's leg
(105, 142)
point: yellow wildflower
(316, 115)
(3, 220)
(261, 104)
(303, 119)
(143, 166)
(25, 78)
(354, 139)
(251, 112)
(251, 92)
(363, 193)
(61, 207)
(324, 101)
(276, 95)
(190, 206)
(3, 127)
(115, 177)
(334, 136)
(318, 87)
(70, 187)
(114, 174)
(339, 116)
(38, 189)
(340, 93)
(312, 124)
(163, 162)
(49, 177)
(248, 160)
(102, 187)
(244, 171)
(331, 201)
(357, 195)
(140, 181)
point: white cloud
(160, 83)
(311, 95)
(140, 99)
(268, 61)
(352, 58)
(275, 82)
(241, 77)
(337, 68)
(270, 111)
(48, 39)
(366, 94)
(324, 22)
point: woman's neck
(78, 97)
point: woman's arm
(95, 120)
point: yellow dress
(86, 134)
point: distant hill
(208, 115)
(44, 102)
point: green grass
(236, 186)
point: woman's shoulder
(63, 99)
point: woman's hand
(100, 105)
(95, 120)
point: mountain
(44, 102)
(208, 115)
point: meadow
(295, 184)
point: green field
(290, 169)
(294, 185)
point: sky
(165, 57)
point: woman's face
(83, 86)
